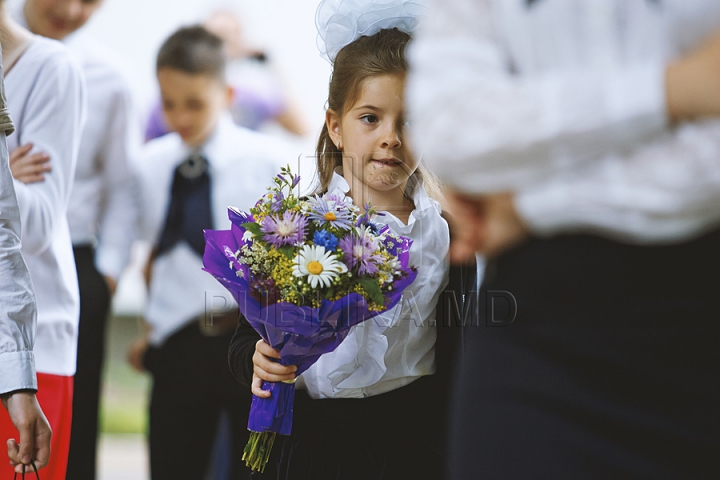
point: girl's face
(370, 134)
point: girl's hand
(265, 368)
(29, 168)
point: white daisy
(394, 266)
(318, 264)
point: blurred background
(132, 31)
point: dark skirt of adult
(609, 370)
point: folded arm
(484, 129)
(54, 116)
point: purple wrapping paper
(301, 334)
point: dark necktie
(189, 212)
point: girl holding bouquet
(373, 408)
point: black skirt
(610, 369)
(393, 436)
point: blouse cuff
(360, 359)
(110, 263)
(368, 361)
(17, 371)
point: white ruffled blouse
(397, 347)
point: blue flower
(326, 239)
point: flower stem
(257, 451)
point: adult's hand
(34, 429)
(111, 284)
(27, 167)
(487, 224)
(136, 353)
(692, 83)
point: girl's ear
(332, 121)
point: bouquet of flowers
(304, 271)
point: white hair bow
(340, 22)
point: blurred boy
(103, 212)
(188, 179)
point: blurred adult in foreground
(582, 142)
(18, 380)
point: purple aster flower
(286, 230)
(337, 215)
(326, 239)
(358, 249)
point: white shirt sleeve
(118, 228)
(54, 116)
(667, 190)
(484, 129)
(17, 300)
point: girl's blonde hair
(366, 57)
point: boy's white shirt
(46, 96)
(564, 104)
(242, 165)
(17, 299)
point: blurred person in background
(46, 94)
(582, 141)
(103, 207)
(259, 96)
(18, 380)
(188, 179)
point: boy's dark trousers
(94, 308)
(192, 385)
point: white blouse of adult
(46, 95)
(396, 347)
(564, 104)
